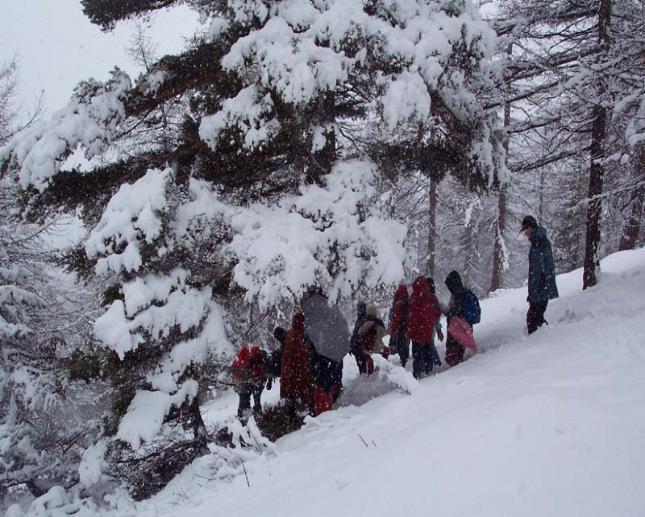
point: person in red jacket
(422, 320)
(251, 371)
(295, 371)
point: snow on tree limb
(344, 243)
(89, 120)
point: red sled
(462, 332)
(323, 401)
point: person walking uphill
(295, 373)
(370, 338)
(454, 349)
(542, 286)
(399, 341)
(422, 320)
(327, 329)
(251, 372)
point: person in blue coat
(542, 286)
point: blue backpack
(472, 311)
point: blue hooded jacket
(542, 286)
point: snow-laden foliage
(89, 120)
(177, 322)
(419, 55)
(42, 431)
(344, 243)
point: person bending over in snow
(251, 372)
(542, 286)
(370, 338)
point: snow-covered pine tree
(43, 429)
(262, 192)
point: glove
(385, 352)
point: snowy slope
(551, 424)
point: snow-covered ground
(548, 424)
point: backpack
(471, 310)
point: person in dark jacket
(541, 284)
(454, 349)
(279, 333)
(399, 341)
(422, 321)
(327, 329)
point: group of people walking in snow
(309, 360)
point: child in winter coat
(251, 371)
(423, 318)
(454, 349)
(370, 340)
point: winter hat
(529, 222)
(454, 282)
(279, 333)
(371, 310)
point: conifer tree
(269, 102)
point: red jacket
(424, 312)
(400, 298)
(295, 377)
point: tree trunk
(469, 246)
(432, 229)
(499, 255)
(597, 167)
(631, 232)
(499, 252)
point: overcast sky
(57, 46)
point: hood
(298, 322)
(279, 333)
(453, 282)
(371, 310)
(244, 354)
(420, 284)
(401, 293)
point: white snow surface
(547, 424)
